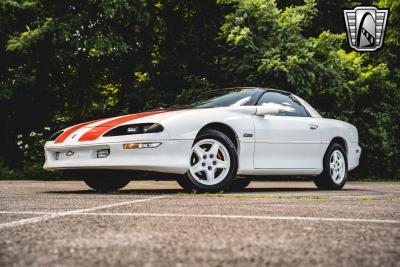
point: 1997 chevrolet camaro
(212, 145)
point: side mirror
(272, 109)
(267, 109)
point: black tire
(239, 184)
(325, 181)
(106, 184)
(189, 183)
(184, 183)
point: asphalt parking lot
(156, 224)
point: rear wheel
(335, 171)
(213, 163)
(106, 184)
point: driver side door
(290, 139)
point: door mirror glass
(272, 109)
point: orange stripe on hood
(71, 130)
(100, 129)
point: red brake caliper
(219, 155)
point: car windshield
(227, 97)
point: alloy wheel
(337, 167)
(209, 162)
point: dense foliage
(64, 62)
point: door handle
(313, 127)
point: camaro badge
(69, 153)
(365, 27)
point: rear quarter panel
(331, 128)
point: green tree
(268, 46)
(64, 62)
(68, 61)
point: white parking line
(49, 216)
(217, 216)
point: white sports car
(212, 145)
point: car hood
(92, 130)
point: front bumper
(171, 156)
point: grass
(365, 199)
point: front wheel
(106, 184)
(213, 163)
(335, 171)
(239, 184)
(185, 184)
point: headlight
(140, 128)
(55, 135)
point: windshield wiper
(177, 106)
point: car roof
(259, 88)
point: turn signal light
(141, 145)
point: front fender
(187, 125)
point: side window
(290, 105)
